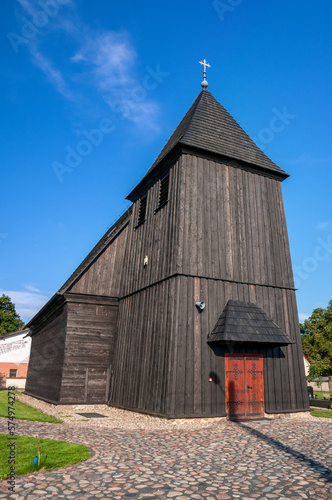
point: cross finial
(205, 65)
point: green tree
(9, 319)
(317, 368)
(316, 333)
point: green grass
(321, 413)
(22, 411)
(52, 454)
(321, 394)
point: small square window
(12, 373)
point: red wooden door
(244, 386)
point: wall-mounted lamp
(200, 305)
(146, 261)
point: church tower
(209, 217)
(195, 284)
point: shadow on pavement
(324, 472)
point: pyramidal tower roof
(209, 127)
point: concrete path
(277, 459)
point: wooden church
(186, 307)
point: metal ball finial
(204, 83)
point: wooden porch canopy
(246, 322)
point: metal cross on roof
(205, 65)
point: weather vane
(206, 65)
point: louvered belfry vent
(142, 210)
(163, 192)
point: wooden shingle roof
(246, 322)
(207, 125)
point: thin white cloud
(27, 6)
(27, 304)
(53, 74)
(324, 226)
(110, 59)
(32, 288)
(104, 61)
(303, 316)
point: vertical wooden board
(181, 214)
(172, 238)
(186, 260)
(277, 352)
(214, 234)
(180, 382)
(234, 222)
(270, 272)
(147, 380)
(219, 406)
(263, 256)
(161, 354)
(192, 244)
(188, 300)
(206, 359)
(248, 227)
(242, 231)
(125, 276)
(278, 315)
(275, 233)
(200, 216)
(207, 253)
(165, 235)
(228, 225)
(46, 359)
(220, 222)
(167, 346)
(197, 358)
(289, 279)
(213, 361)
(126, 335)
(283, 271)
(282, 321)
(300, 381)
(173, 370)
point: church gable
(99, 273)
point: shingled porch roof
(246, 322)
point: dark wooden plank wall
(90, 341)
(231, 225)
(163, 362)
(249, 243)
(46, 358)
(146, 324)
(156, 238)
(103, 276)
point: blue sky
(90, 91)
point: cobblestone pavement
(277, 459)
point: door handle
(249, 387)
